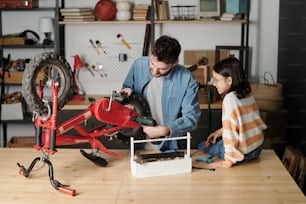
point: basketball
(105, 10)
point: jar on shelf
(123, 10)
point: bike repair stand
(46, 143)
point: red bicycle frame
(106, 110)
(48, 134)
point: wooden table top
(263, 181)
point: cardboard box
(22, 141)
(14, 111)
(192, 57)
(13, 77)
(203, 94)
(15, 4)
(201, 74)
(11, 41)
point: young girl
(241, 137)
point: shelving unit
(57, 46)
(59, 35)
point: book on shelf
(78, 19)
(139, 18)
(75, 9)
(140, 11)
(156, 9)
(80, 13)
(142, 6)
(161, 8)
(231, 16)
(140, 14)
(164, 10)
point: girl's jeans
(217, 150)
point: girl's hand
(212, 138)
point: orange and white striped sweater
(242, 127)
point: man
(169, 88)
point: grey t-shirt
(154, 97)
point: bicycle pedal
(97, 160)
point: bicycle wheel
(42, 71)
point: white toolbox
(163, 167)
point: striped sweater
(242, 127)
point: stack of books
(77, 14)
(141, 12)
(161, 8)
(231, 16)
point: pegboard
(112, 71)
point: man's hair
(232, 67)
(166, 49)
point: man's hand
(128, 91)
(156, 131)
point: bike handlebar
(67, 190)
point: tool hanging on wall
(89, 69)
(94, 46)
(101, 70)
(123, 41)
(99, 45)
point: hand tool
(99, 44)
(94, 46)
(119, 36)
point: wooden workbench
(262, 181)
(82, 105)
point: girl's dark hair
(232, 67)
(166, 49)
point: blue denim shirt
(180, 101)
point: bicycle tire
(45, 68)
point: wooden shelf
(103, 22)
(158, 22)
(201, 21)
(35, 46)
(27, 9)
